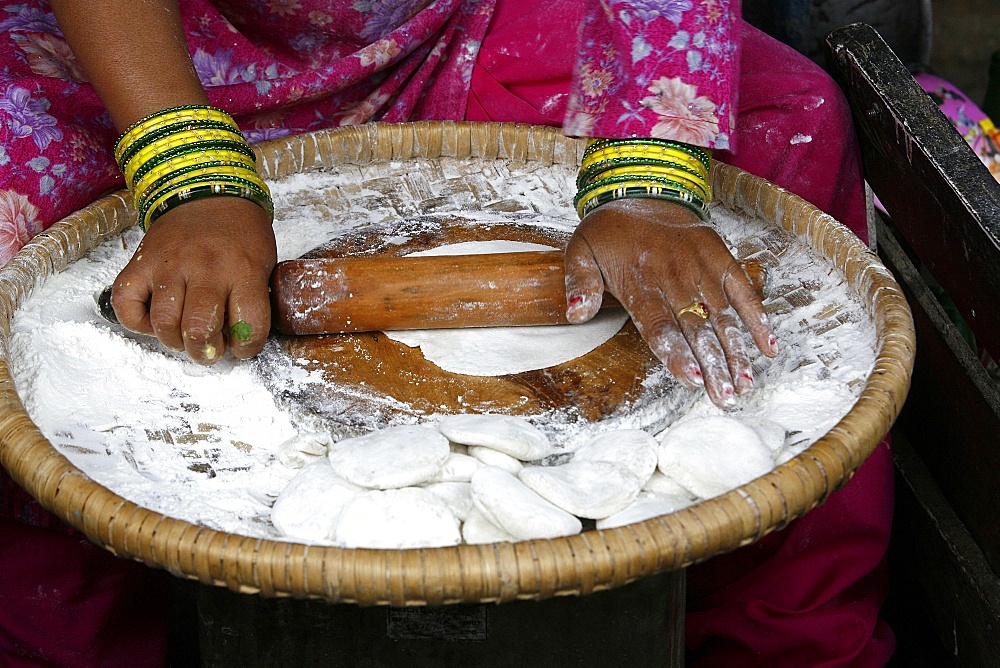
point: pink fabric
(793, 119)
(66, 602)
(808, 595)
(279, 67)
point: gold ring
(697, 308)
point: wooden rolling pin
(361, 294)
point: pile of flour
(212, 447)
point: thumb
(584, 282)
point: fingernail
(772, 343)
(746, 380)
(728, 394)
(694, 373)
(574, 304)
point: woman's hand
(199, 279)
(659, 259)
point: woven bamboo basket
(537, 569)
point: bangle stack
(657, 168)
(185, 153)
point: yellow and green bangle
(614, 169)
(652, 153)
(647, 144)
(199, 188)
(127, 151)
(186, 153)
(692, 182)
(182, 115)
(644, 190)
(591, 170)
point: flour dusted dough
(479, 530)
(309, 506)
(391, 457)
(498, 351)
(645, 506)
(631, 449)
(661, 483)
(490, 457)
(509, 434)
(585, 489)
(520, 512)
(302, 449)
(458, 467)
(713, 454)
(457, 496)
(397, 519)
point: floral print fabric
(662, 68)
(657, 68)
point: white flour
(203, 444)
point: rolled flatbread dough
(498, 351)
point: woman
(664, 72)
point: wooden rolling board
(369, 381)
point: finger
(248, 320)
(745, 298)
(130, 300)
(659, 328)
(730, 334)
(701, 337)
(202, 322)
(166, 307)
(584, 282)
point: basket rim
(535, 569)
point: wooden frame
(944, 218)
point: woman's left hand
(685, 292)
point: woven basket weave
(536, 569)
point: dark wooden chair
(943, 222)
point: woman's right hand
(202, 270)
